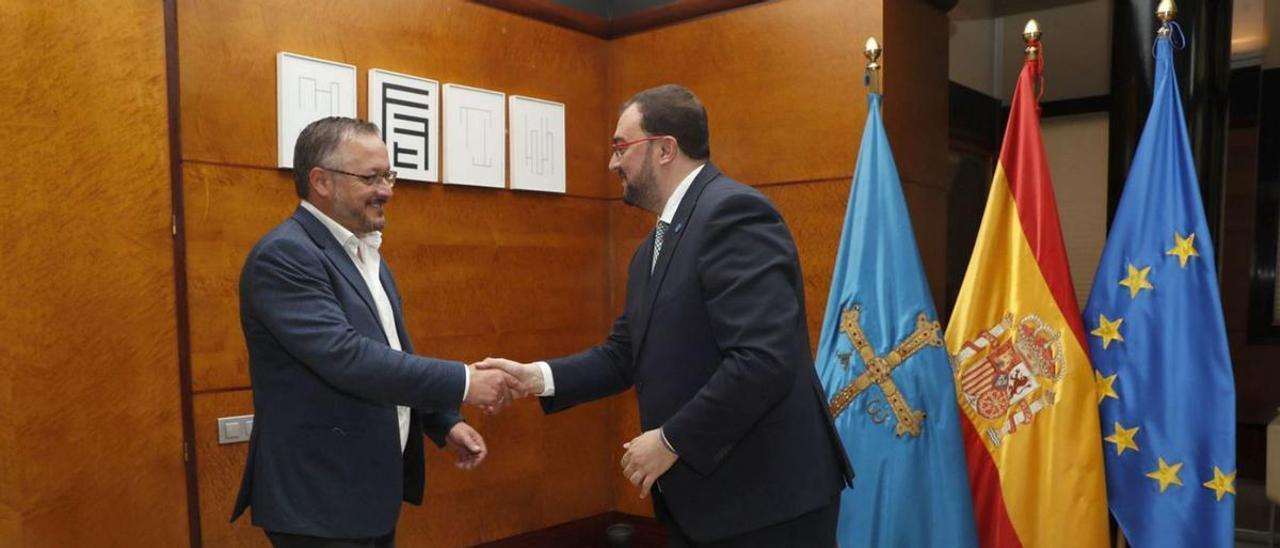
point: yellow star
(1108, 330)
(1183, 248)
(1166, 475)
(1123, 438)
(1137, 280)
(1105, 386)
(1222, 483)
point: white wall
(1077, 150)
(1272, 57)
(972, 58)
(1077, 50)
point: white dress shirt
(363, 251)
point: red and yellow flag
(1023, 377)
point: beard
(360, 217)
(641, 190)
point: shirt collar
(340, 233)
(673, 203)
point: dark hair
(674, 110)
(318, 141)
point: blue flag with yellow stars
(884, 364)
(1159, 346)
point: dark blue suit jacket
(715, 343)
(324, 455)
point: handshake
(496, 382)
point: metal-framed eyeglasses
(387, 177)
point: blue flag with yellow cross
(887, 375)
(1159, 346)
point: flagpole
(872, 52)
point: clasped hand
(496, 382)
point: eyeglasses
(621, 148)
(387, 176)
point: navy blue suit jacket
(715, 343)
(324, 455)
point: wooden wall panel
(220, 467)
(628, 228)
(541, 471)
(227, 210)
(228, 50)
(90, 420)
(488, 270)
(483, 272)
(786, 108)
(815, 213)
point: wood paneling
(219, 469)
(483, 272)
(228, 50)
(90, 427)
(628, 228)
(540, 471)
(227, 210)
(785, 108)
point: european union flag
(887, 374)
(1160, 348)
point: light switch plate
(234, 429)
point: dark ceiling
(610, 9)
(615, 18)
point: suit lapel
(336, 255)
(670, 246)
(397, 311)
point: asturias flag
(883, 362)
(1023, 377)
(1164, 376)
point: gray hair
(317, 143)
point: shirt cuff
(548, 382)
(663, 435)
(466, 383)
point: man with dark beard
(737, 445)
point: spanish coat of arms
(1008, 374)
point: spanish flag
(1023, 377)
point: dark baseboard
(588, 533)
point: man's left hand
(647, 458)
(467, 445)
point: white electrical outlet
(234, 429)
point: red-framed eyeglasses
(621, 148)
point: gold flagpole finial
(1031, 36)
(1166, 12)
(872, 52)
